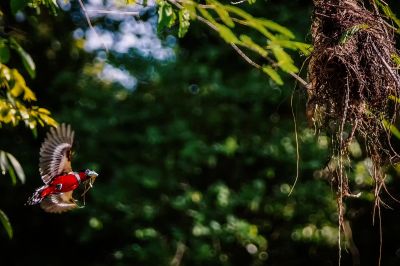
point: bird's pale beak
(92, 174)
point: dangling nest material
(352, 78)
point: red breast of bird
(63, 183)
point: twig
(238, 50)
(245, 57)
(297, 146)
(208, 23)
(238, 2)
(304, 83)
(387, 65)
(251, 62)
(206, 6)
(180, 251)
(355, 254)
(90, 23)
(117, 12)
(86, 14)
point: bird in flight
(57, 174)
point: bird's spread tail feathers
(37, 196)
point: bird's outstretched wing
(58, 203)
(55, 153)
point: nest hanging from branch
(352, 78)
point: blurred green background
(196, 154)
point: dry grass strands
(352, 76)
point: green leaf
(206, 15)
(285, 62)
(17, 5)
(277, 28)
(250, 21)
(223, 14)
(389, 13)
(240, 12)
(396, 59)
(394, 98)
(20, 87)
(304, 48)
(395, 131)
(12, 175)
(12, 166)
(248, 42)
(6, 224)
(17, 167)
(226, 34)
(273, 74)
(3, 162)
(25, 57)
(190, 7)
(4, 51)
(184, 22)
(54, 3)
(166, 15)
(351, 31)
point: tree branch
(116, 12)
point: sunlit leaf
(285, 62)
(394, 98)
(351, 32)
(190, 7)
(166, 15)
(304, 48)
(389, 13)
(184, 22)
(393, 129)
(248, 42)
(250, 21)
(276, 27)
(206, 15)
(44, 111)
(396, 59)
(227, 34)
(6, 224)
(5, 74)
(240, 12)
(25, 57)
(20, 87)
(273, 74)
(223, 14)
(47, 119)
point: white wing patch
(55, 153)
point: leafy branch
(15, 96)
(9, 164)
(270, 42)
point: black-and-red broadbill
(57, 174)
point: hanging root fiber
(353, 81)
